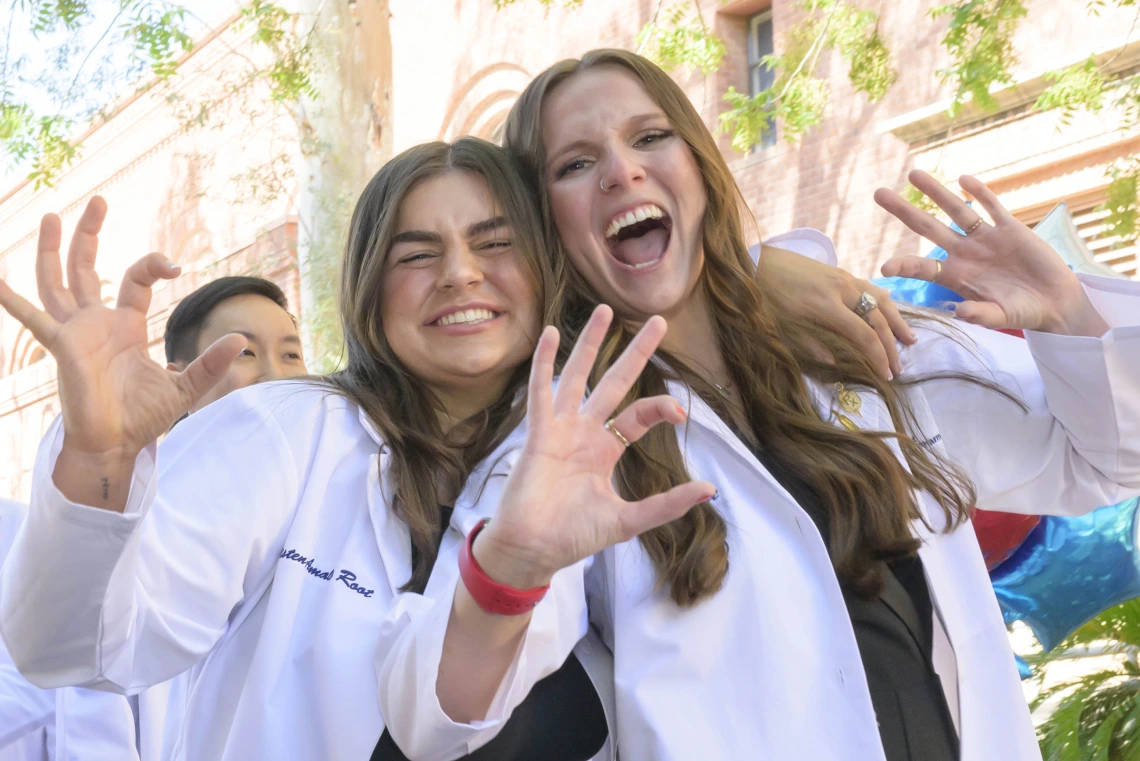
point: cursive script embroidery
(346, 577)
(929, 443)
(307, 562)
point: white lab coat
(66, 724)
(804, 241)
(769, 668)
(27, 713)
(257, 550)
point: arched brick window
(481, 105)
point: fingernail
(714, 497)
(681, 410)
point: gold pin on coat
(849, 401)
(847, 422)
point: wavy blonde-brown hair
(428, 465)
(869, 495)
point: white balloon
(1060, 232)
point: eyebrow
(257, 338)
(417, 236)
(426, 236)
(635, 120)
(486, 226)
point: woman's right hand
(559, 505)
(115, 399)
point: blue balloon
(920, 293)
(1070, 569)
(1023, 669)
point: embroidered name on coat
(929, 443)
(346, 577)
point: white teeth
(640, 214)
(466, 316)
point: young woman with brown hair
(261, 545)
(831, 601)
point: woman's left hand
(828, 296)
(1009, 278)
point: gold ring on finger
(609, 426)
(974, 226)
(938, 271)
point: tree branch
(86, 58)
(7, 48)
(1127, 39)
(816, 48)
(652, 24)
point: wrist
(95, 479)
(506, 563)
(1075, 316)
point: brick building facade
(408, 71)
(457, 67)
(167, 190)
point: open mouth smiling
(638, 238)
(466, 317)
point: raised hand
(115, 400)
(559, 504)
(1009, 277)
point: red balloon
(999, 534)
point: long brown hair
(868, 493)
(428, 465)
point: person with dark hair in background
(78, 723)
(253, 307)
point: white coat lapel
(702, 415)
(392, 536)
(826, 404)
(480, 496)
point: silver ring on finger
(867, 304)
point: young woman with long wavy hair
(258, 549)
(827, 600)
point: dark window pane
(760, 44)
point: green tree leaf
(980, 42)
(680, 38)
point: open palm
(1009, 277)
(115, 398)
(559, 504)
